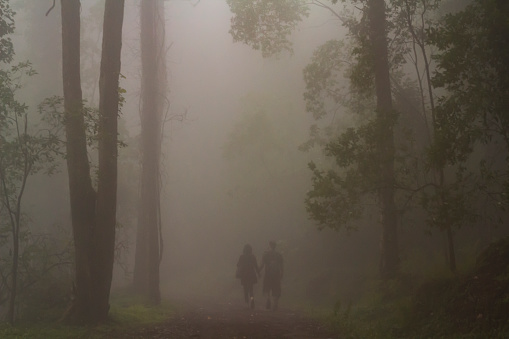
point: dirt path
(215, 320)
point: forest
(148, 147)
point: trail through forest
(214, 320)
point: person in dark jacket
(247, 272)
(272, 262)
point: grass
(126, 313)
(395, 319)
(472, 304)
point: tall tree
(472, 114)
(266, 24)
(153, 59)
(385, 150)
(414, 16)
(106, 205)
(92, 214)
(82, 194)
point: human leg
(251, 296)
(276, 293)
(246, 293)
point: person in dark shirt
(272, 263)
(247, 272)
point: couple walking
(248, 271)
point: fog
(219, 191)
(212, 207)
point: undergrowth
(125, 313)
(473, 304)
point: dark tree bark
(389, 218)
(104, 233)
(148, 241)
(92, 215)
(82, 194)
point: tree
(6, 28)
(471, 116)
(414, 17)
(265, 24)
(385, 150)
(25, 150)
(148, 241)
(251, 23)
(93, 214)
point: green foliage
(472, 304)
(473, 68)
(472, 116)
(6, 28)
(326, 94)
(450, 205)
(45, 274)
(323, 79)
(469, 305)
(339, 80)
(266, 24)
(26, 149)
(130, 312)
(341, 195)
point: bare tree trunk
(93, 216)
(104, 233)
(14, 273)
(153, 52)
(82, 194)
(389, 218)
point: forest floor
(215, 320)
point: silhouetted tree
(472, 133)
(153, 96)
(385, 150)
(93, 214)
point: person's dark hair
(272, 244)
(248, 249)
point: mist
(213, 207)
(246, 152)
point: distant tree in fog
(149, 244)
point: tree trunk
(389, 219)
(82, 194)
(104, 233)
(153, 53)
(14, 274)
(93, 216)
